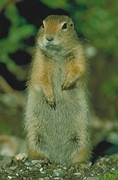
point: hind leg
(83, 159)
(33, 154)
(81, 155)
(35, 141)
(34, 151)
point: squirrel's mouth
(52, 46)
(50, 43)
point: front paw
(67, 85)
(51, 101)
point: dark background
(96, 23)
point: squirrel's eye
(64, 26)
(71, 24)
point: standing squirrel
(57, 116)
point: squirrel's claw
(52, 103)
(66, 85)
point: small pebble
(9, 177)
(27, 163)
(29, 168)
(77, 174)
(65, 168)
(58, 178)
(43, 172)
(21, 157)
(41, 169)
(13, 167)
(59, 172)
(35, 162)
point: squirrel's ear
(42, 25)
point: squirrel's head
(56, 32)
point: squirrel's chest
(58, 76)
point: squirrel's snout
(50, 38)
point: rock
(5, 162)
(59, 172)
(21, 157)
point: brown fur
(57, 117)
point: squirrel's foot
(34, 155)
(83, 165)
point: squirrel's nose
(49, 38)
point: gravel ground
(20, 168)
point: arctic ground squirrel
(57, 116)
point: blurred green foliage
(19, 30)
(57, 4)
(95, 20)
(109, 176)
